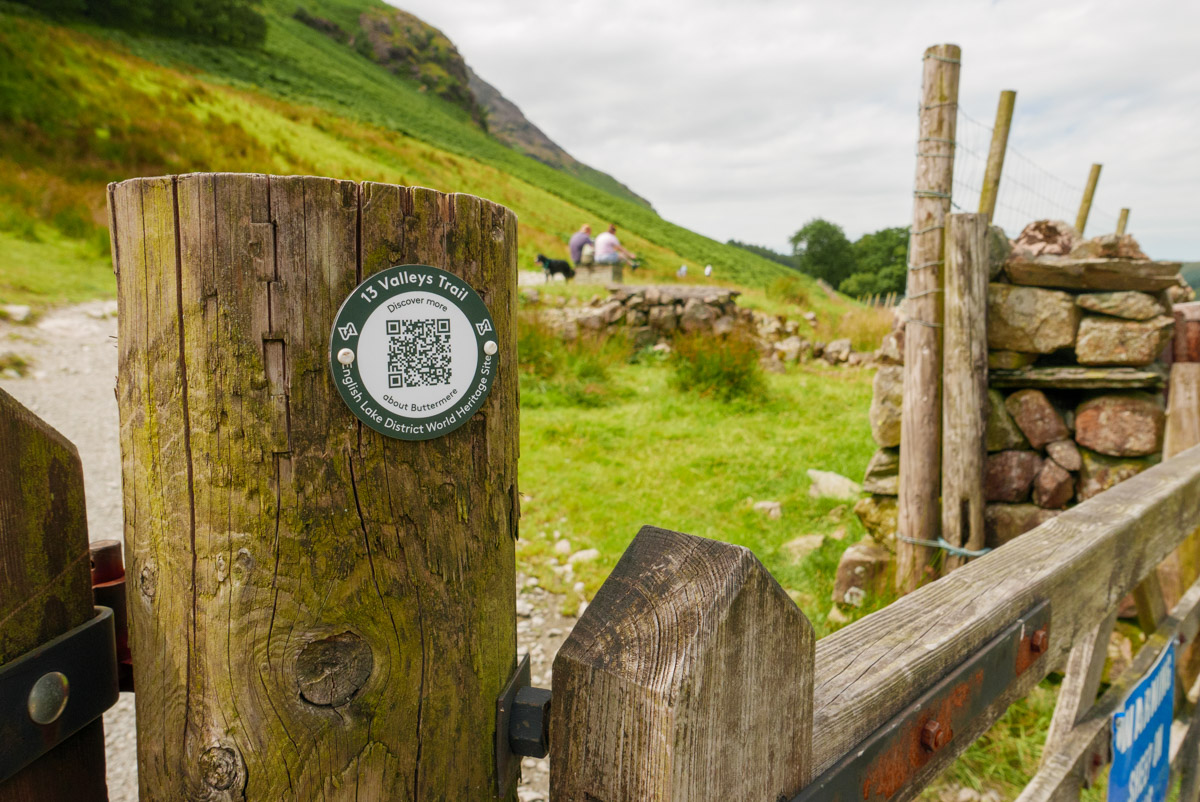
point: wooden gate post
(45, 586)
(921, 414)
(688, 679)
(964, 407)
(317, 611)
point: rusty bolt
(1040, 641)
(934, 736)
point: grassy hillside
(81, 106)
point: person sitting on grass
(610, 252)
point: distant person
(681, 272)
(708, 271)
(582, 247)
(609, 250)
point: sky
(746, 119)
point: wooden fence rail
(640, 666)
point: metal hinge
(50, 693)
(522, 725)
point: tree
(882, 263)
(822, 251)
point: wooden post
(316, 610)
(995, 161)
(1085, 206)
(964, 410)
(45, 586)
(1122, 221)
(688, 679)
(921, 416)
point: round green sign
(413, 352)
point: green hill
(82, 105)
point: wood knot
(219, 767)
(333, 669)
(148, 580)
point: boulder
(788, 349)
(724, 325)
(862, 571)
(1129, 304)
(891, 348)
(1100, 472)
(885, 405)
(771, 509)
(1108, 246)
(1121, 425)
(17, 313)
(827, 484)
(1046, 238)
(1003, 522)
(800, 547)
(837, 351)
(880, 516)
(883, 472)
(1111, 341)
(1008, 475)
(1009, 360)
(1181, 292)
(612, 312)
(697, 316)
(1066, 454)
(999, 249)
(1066, 273)
(593, 321)
(1030, 320)
(1002, 431)
(1036, 417)
(1054, 487)
(662, 318)
(636, 317)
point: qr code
(418, 352)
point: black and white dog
(552, 266)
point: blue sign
(1141, 736)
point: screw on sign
(413, 352)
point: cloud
(747, 119)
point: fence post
(995, 160)
(314, 607)
(1122, 221)
(921, 415)
(45, 586)
(964, 410)
(688, 679)
(1085, 205)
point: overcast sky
(746, 119)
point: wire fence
(1028, 191)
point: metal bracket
(522, 725)
(887, 760)
(76, 681)
(508, 764)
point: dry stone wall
(653, 314)
(1077, 333)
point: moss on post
(318, 611)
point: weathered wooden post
(45, 589)
(921, 416)
(317, 611)
(964, 410)
(995, 160)
(1085, 205)
(688, 679)
(1122, 222)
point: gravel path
(70, 383)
